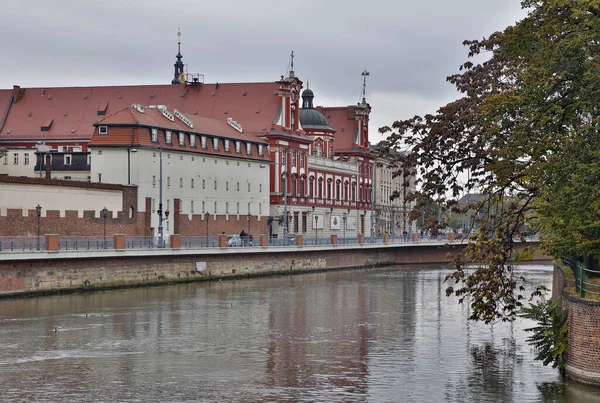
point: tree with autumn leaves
(525, 133)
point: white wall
(180, 168)
(27, 197)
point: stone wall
(583, 360)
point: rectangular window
(261, 151)
(154, 136)
(215, 208)
(180, 182)
(216, 144)
(168, 138)
(153, 205)
(67, 160)
(192, 183)
(226, 185)
(283, 157)
(168, 181)
(203, 141)
(226, 207)
(15, 159)
(193, 142)
(248, 187)
(67, 178)
(103, 130)
(238, 208)
(191, 206)
(249, 212)
(203, 185)
(182, 139)
(26, 157)
(294, 159)
(301, 159)
(303, 222)
(227, 145)
(238, 186)
(215, 185)
(296, 222)
(238, 147)
(260, 209)
(6, 159)
(249, 148)
(260, 187)
(203, 207)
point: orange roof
(74, 110)
(342, 119)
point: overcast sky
(408, 46)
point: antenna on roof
(178, 40)
(363, 94)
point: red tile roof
(342, 120)
(75, 109)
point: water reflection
(366, 335)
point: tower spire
(177, 77)
(365, 73)
(292, 64)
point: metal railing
(192, 242)
(22, 243)
(85, 243)
(582, 286)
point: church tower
(177, 77)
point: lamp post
(38, 209)
(249, 219)
(345, 218)
(206, 216)
(316, 228)
(160, 204)
(104, 215)
(285, 218)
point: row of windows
(16, 159)
(349, 191)
(193, 183)
(216, 210)
(294, 155)
(216, 142)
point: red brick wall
(583, 360)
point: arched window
(302, 190)
(311, 184)
(353, 191)
(320, 188)
(346, 190)
(338, 185)
(318, 150)
(294, 185)
(329, 188)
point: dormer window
(249, 148)
(216, 144)
(193, 140)
(261, 151)
(168, 138)
(227, 145)
(154, 135)
(102, 109)
(103, 130)
(238, 147)
(203, 140)
(182, 139)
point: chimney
(17, 93)
(48, 166)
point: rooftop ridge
(137, 85)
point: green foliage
(525, 135)
(551, 335)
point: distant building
(320, 155)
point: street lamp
(285, 217)
(104, 214)
(316, 228)
(160, 204)
(249, 218)
(38, 209)
(206, 216)
(345, 218)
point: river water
(377, 335)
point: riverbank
(27, 274)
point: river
(373, 335)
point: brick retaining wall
(583, 360)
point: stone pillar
(361, 239)
(222, 241)
(415, 237)
(386, 238)
(175, 241)
(119, 241)
(299, 240)
(264, 241)
(334, 239)
(52, 242)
